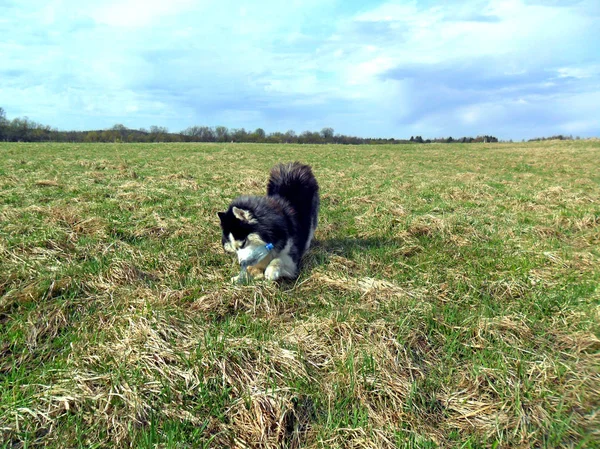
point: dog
(286, 217)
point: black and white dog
(286, 218)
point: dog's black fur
(286, 217)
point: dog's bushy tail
(296, 183)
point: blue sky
(512, 68)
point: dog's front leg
(281, 267)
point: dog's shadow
(347, 246)
(322, 251)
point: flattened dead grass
(47, 183)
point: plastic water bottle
(258, 254)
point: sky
(510, 68)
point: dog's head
(240, 231)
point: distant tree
(207, 134)
(258, 135)
(120, 132)
(106, 136)
(20, 129)
(275, 137)
(91, 136)
(3, 124)
(221, 133)
(309, 137)
(193, 132)
(290, 136)
(239, 135)
(158, 129)
(158, 133)
(327, 134)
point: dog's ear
(243, 215)
(221, 216)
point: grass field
(450, 299)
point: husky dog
(286, 218)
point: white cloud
(397, 68)
(520, 47)
(578, 72)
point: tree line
(556, 137)
(26, 130)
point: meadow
(450, 299)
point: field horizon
(450, 299)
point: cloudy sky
(512, 68)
